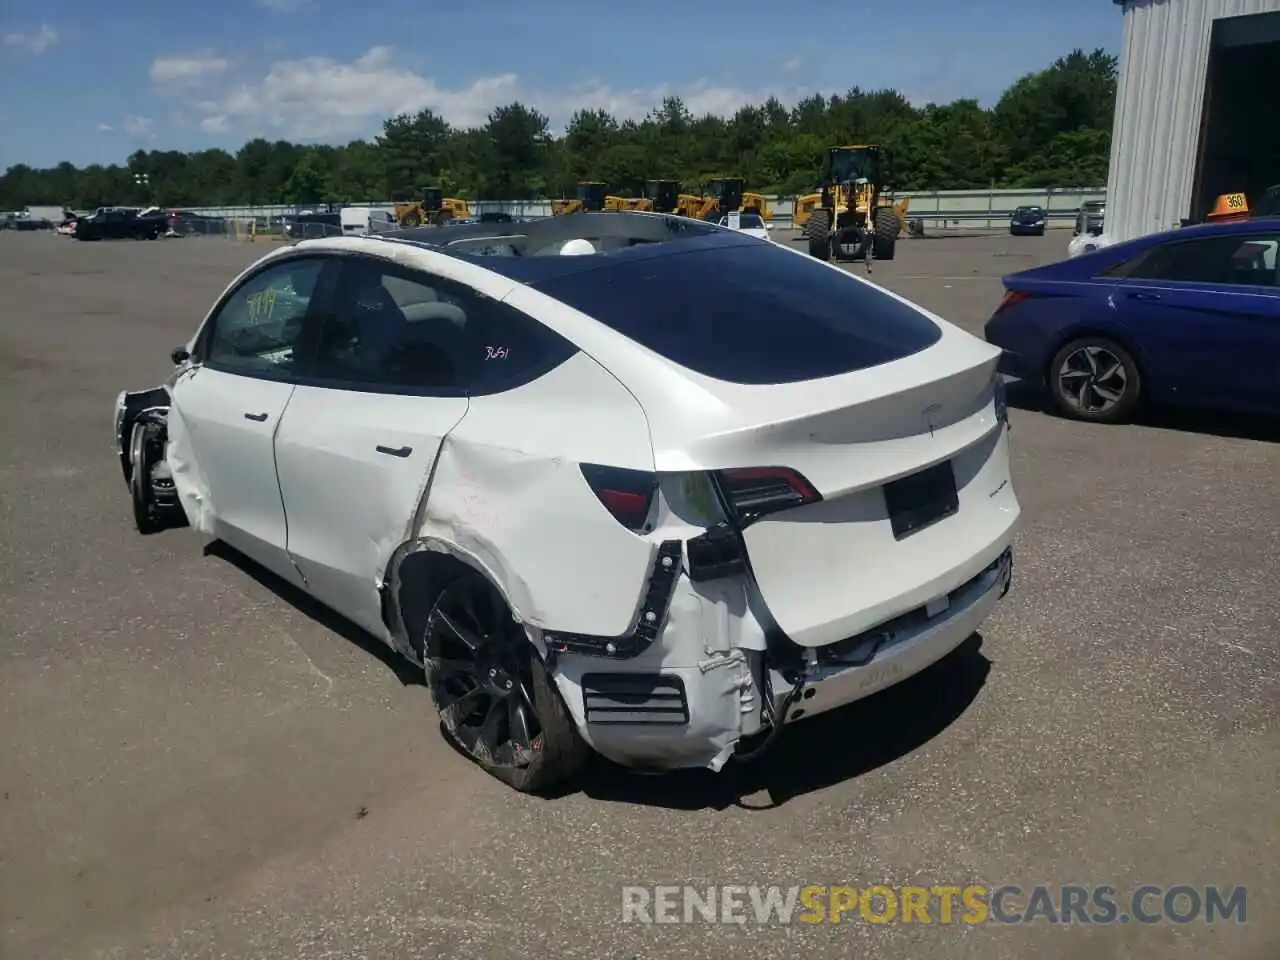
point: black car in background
(185, 223)
(120, 223)
(310, 224)
(1027, 221)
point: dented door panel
(221, 451)
(508, 489)
(353, 469)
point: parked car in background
(313, 224)
(185, 223)
(1091, 218)
(513, 470)
(1027, 221)
(120, 223)
(1187, 317)
(752, 224)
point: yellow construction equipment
(661, 196)
(852, 216)
(591, 196)
(757, 203)
(434, 207)
(688, 204)
(724, 195)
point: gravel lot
(199, 763)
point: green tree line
(1051, 128)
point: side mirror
(180, 356)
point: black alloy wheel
(496, 701)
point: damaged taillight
(755, 491)
(626, 494)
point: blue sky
(93, 80)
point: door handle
(1145, 296)
(255, 416)
(394, 451)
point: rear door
(1205, 314)
(356, 446)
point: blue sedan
(1190, 317)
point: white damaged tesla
(658, 499)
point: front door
(357, 443)
(232, 400)
(1207, 309)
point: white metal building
(1197, 110)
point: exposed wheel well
(422, 577)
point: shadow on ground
(1236, 426)
(811, 755)
(816, 753)
(304, 603)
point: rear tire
(818, 232)
(411, 219)
(1096, 380)
(886, 235)
(497, 703)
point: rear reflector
(1013, 298)
(753, 492)
(626, 494)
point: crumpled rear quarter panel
(508, 490)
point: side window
(401, 331)
(257, 329)
(1246, 261)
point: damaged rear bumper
(901, 648)
(711, 678)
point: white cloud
(317, 98)
(36, 42)
(794, 64)
(187, 69)
(105, 128)
(139, 126)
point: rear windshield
(749, 313)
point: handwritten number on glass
(261, 306)
(496, 353)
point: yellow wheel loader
(660, 196)
(852, 216)
(724, 195)
(434, 207)
(757, 203)
(591, 197)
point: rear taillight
(626, 494)
(755, 491)
(1011, 299)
